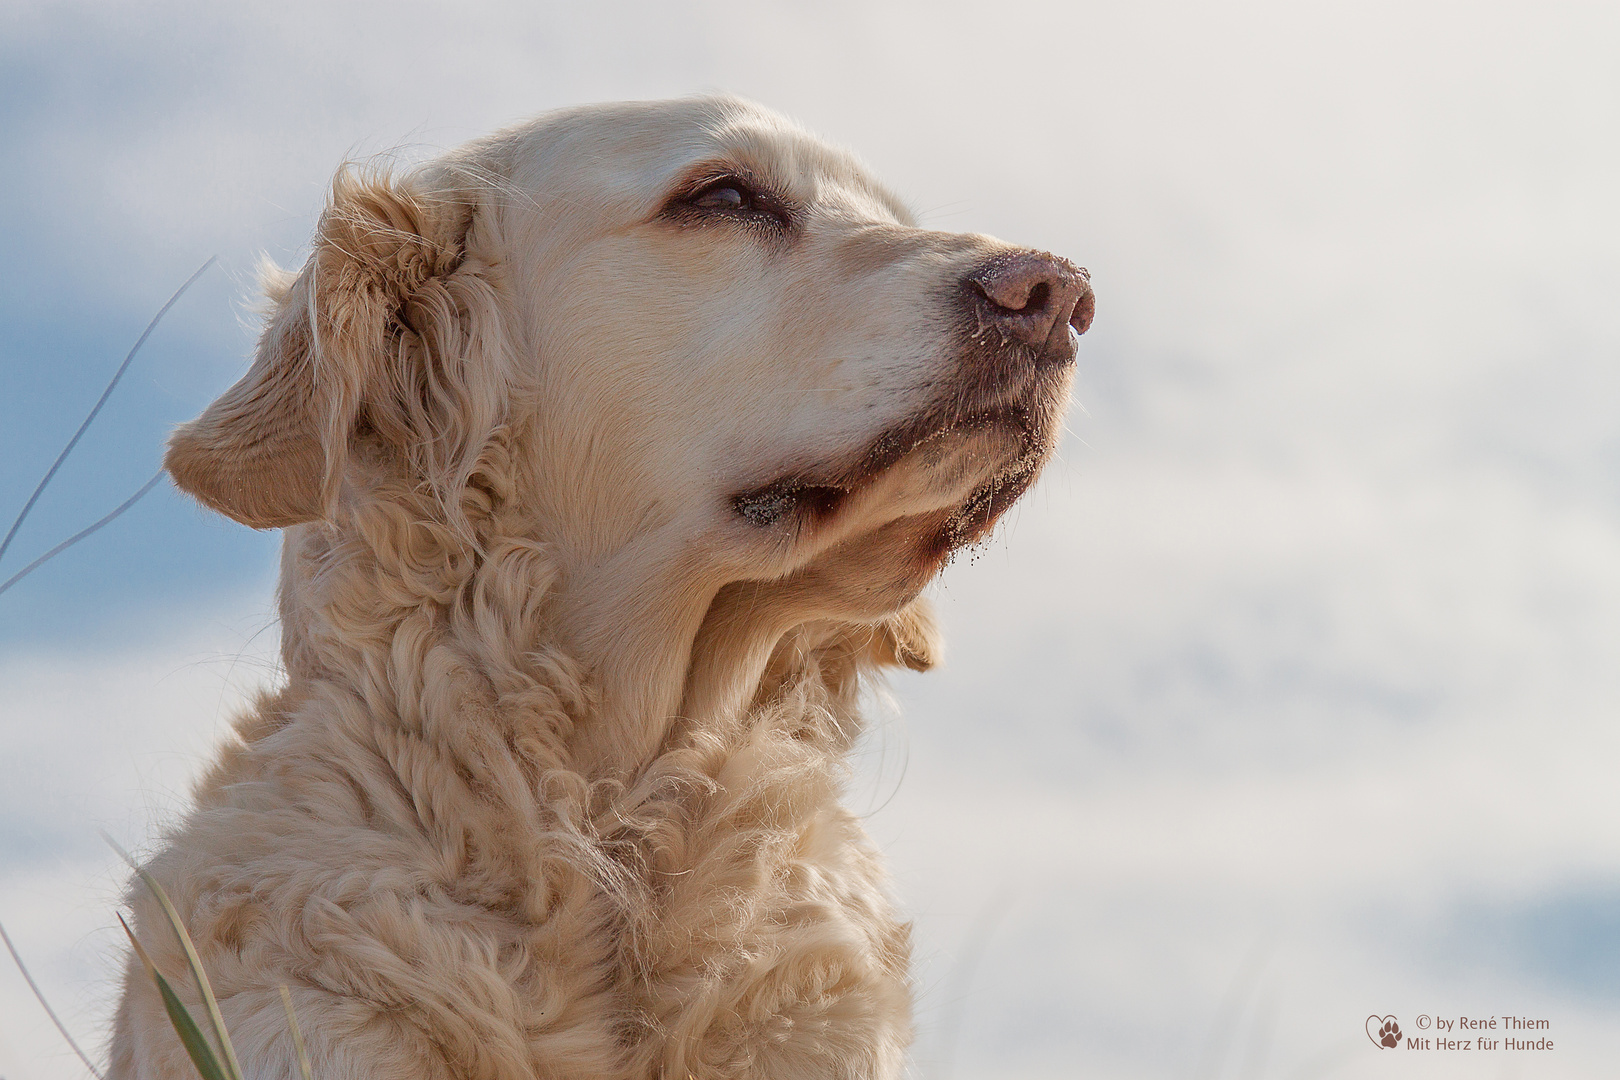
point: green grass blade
(233, 1070)
(191, 1036)
(298, 1036)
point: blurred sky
(1287, 698)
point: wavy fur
(551, 787)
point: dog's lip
(814, 494)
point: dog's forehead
(631, 154)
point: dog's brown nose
(1033, 298)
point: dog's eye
(736, 197)
(724, 195)
(730, 197)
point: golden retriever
(613, 451)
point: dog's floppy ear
(389, 326)
(908, 638)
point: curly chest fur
(443, 883)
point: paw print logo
(1384, 1031)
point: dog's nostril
(1012, 292)
(1084, 309)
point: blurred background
(1287, 698)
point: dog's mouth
(1007, 410)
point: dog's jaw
(852, 541)
(679, 624)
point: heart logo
(1384, 1031)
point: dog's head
(714, 351)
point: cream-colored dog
(613, 451)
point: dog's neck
(640, 648)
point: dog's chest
(723, 903)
